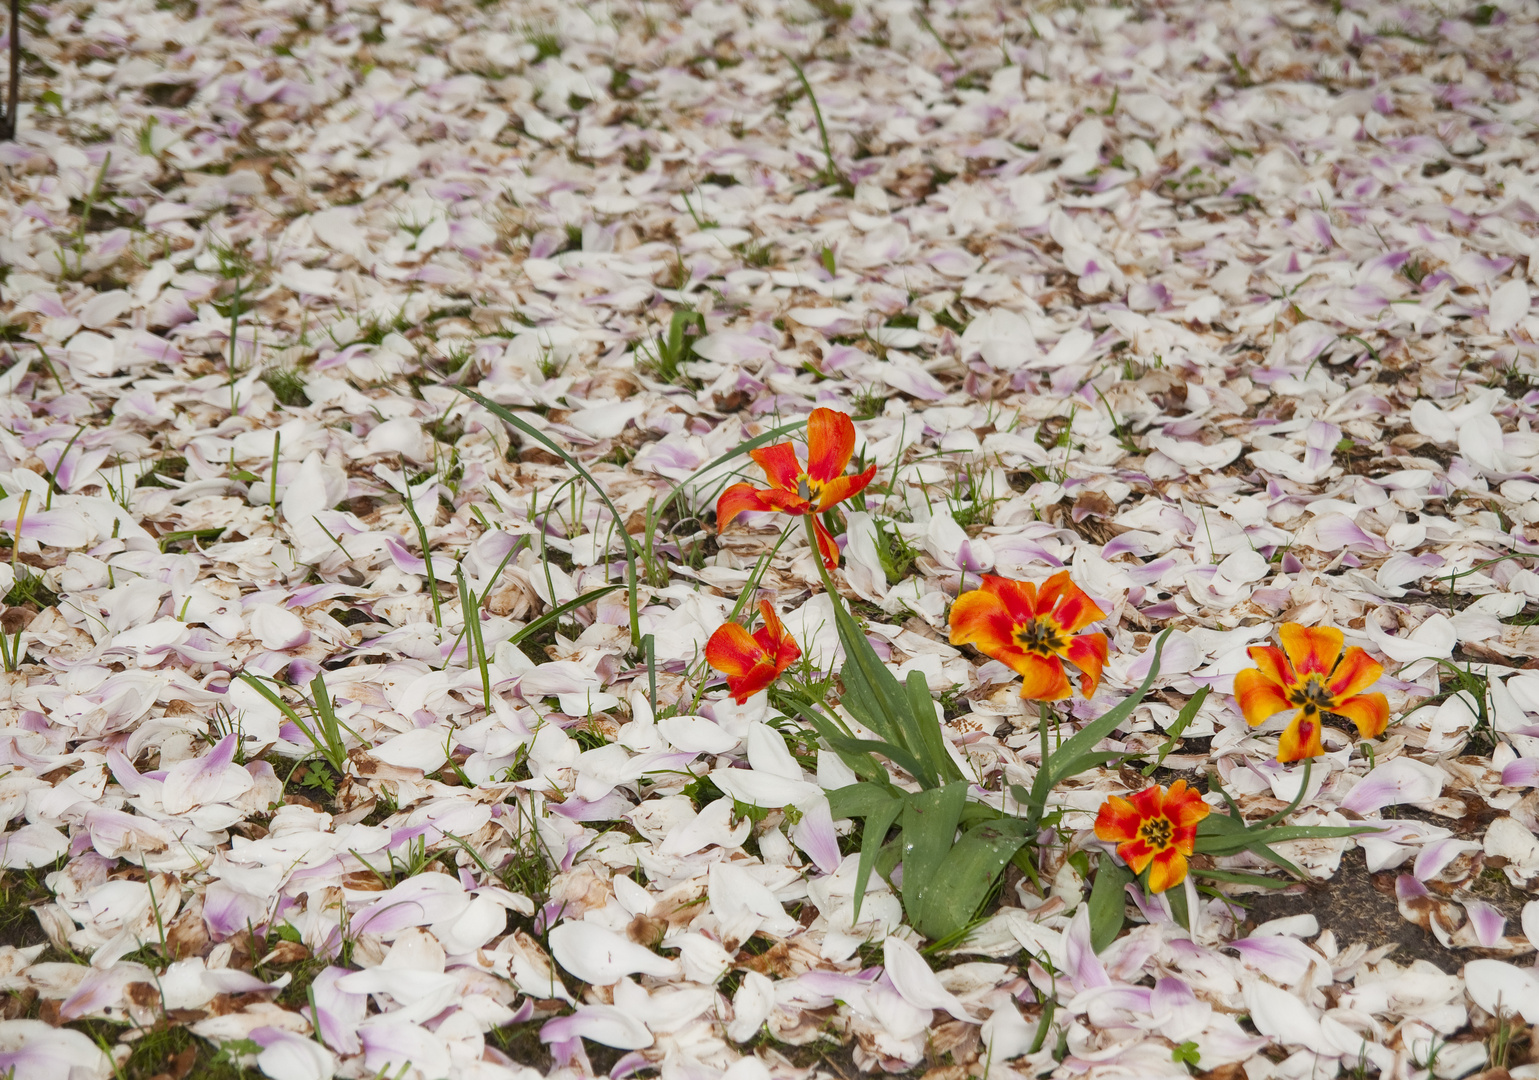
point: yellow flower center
(1041, 637)
(808, 488)
(1156, 832)
(1312, 696)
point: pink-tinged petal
(779, 464)
(1399, 781)
(340, 1012)
(1284, 960)
(815, 835)
(1082, 966)
(1434, 857)
(603, 1024)
(391, 1046)
(1487, 922)
(288, 1056)
(917, 983)
(214, 778)
(1523, 772)
(830, 444)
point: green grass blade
(507, 417)
(534, 626)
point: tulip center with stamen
(808, 488)
(1156, 832)
(1312, 697)
(1040, 637)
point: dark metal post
(8, 119)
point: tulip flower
(797, 490)
(752, 661)
(1034, 631)
(1154, 829)
(1311, 674)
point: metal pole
(8, 121)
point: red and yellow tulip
(1154, 829)
(1311, 674)
(797, 490)
(1034, 631)
(752, 661)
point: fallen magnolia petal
(1503, 989)
(1399, 781)
(912, 978)
(287, 1056)
(599, 956)
(33, 1050)
(603, 1024)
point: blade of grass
(507, 417)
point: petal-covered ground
(328, 748)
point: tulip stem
(1294, 805)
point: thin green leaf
(507, 417)
(534, 626)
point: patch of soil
(1359, 906)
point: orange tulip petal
(1184, 807)
(1067, 605)
(980, 618)
(1300, 740)
(1088, 653)
(1043, 678)
(830, 444)
(1370, 712)
(784, 502)
(1019, 597)
(1136, 853)
(779, 646)
(737, 499)
(1259, 697)
(1149, 801)
(1356, 673)
(1313, 650)
(779, 464)
(1273, 664)
(733, 651)
(1166, 869)
(1117, 821)
(843, 487)
(826, 544)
